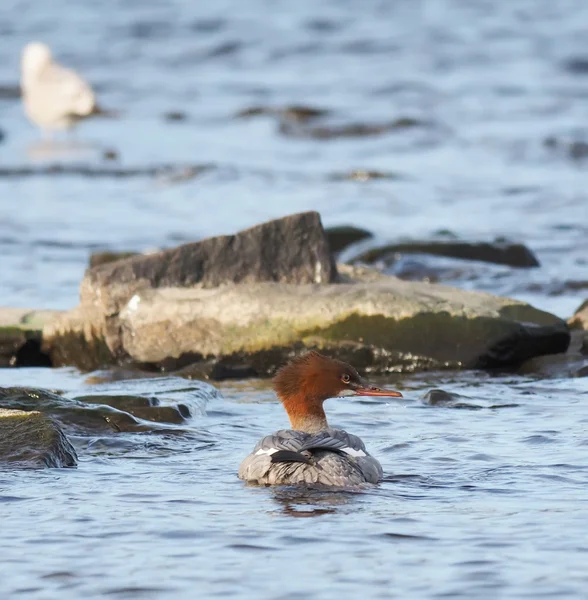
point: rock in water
(373, 321)
(580, 318)
(293, 249)
(345, 235)
(499, 252)
(33, 440)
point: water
(479, 502)
(486, 501)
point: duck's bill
(372, 390)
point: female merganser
(312, 452)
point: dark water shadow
(313, 501)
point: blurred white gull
(54, 97)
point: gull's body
(54, 97)
(312, 452)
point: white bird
(54, 97)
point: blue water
(478, 502)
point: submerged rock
(102, 171)
(352, 130)
(345, 235)
(376, 322)
(441, 398)
(33, 440)
(499, 252)
(573, 363)
(175, 116)
(149, 407)
(294, 113)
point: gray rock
(345, 235)
(499, 252)
(107, 413)
(293, 249)
(573, 363)
(374, 321)
(33, 440)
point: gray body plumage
(331, 457)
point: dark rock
(441, 398)
(345, 235)
(211, 370)
(379, 323)
(102, 172)
(294, 113)
(578, 65)
(175, 116)
(104, 413)
(110, 155)
(328, 132)
(499, 252)
(33, 440)
(147, 409)
(436, 396)
(573, 148)
(572, 363)
(578, 149)
(302, 114)
(293, 249)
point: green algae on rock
(33, 440)
(382, 323)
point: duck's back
(332, 457)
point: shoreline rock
(243, 304)
(499, 252)
(31, 440)
(378, 322)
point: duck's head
(306, 382)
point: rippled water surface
(484, 496)
(485, 500)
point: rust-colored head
(306, 382)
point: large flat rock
(293, 249)
(29, 439)
(380, 322)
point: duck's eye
(345, 378)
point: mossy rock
(33, 440)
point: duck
(312, 452)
